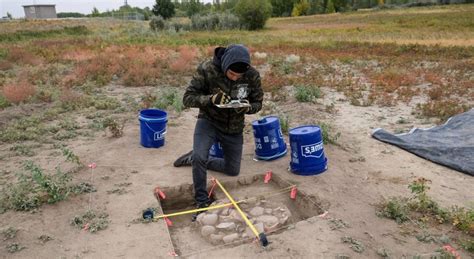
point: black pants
(205, 134)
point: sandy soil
(362, 171)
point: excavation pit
(269, 206)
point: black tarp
(450, 144)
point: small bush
(23, 150)
(228, 21)
(35, 187)
(185, 60)
(253, 14)
(442, 109)
(22, 56)
(327, 131)
(70, 100)
(169, 98)
(176, 26)
(70, 156)
(9, 233)
(420, 207)
(54, 186)
(396, 209)
(3, 102)
(91, 221)
(138, 74)
(115, 126)
(157, 23)
(284, 123)
(215, 21)
(19, 92)
(28, 128)
(305, 93)
(19, 196)
(15, 247)
(463, 219)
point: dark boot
(184, 160)
(203, 205)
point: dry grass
(185, 61)
(18, 92)
(23, 56)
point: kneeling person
(227, 77)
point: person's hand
(220, 98)
(243, 109)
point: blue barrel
(269, 142)
(216, 150)
(307, 152)
(152, 127)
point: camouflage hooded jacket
(209, 79)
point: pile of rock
(226, 225)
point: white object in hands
(235, 104)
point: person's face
(233, 75)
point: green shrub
(54, 185)
(327, 132)
(64, 135)
(396, 209)
(157, 23)
(91, 221)
(70, 156)
(169, 98)
(301, 8)
(14, 247)
(19, 196)
(253, 14)
(3, 102)
(215, 21)
(28, 128)
(33, 188)
(284, 123)
(228, 21)
(176, 26)
(9, 233)
(23, 150)
(305, 93)
(463, 219)
(115, 126)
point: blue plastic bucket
(152, 127)
(307, 152)
(269, 142)
(216, 150)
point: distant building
(40, 11)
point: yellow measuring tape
(214, 207)
(260, 236)
(195, 210)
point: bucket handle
(157, 135)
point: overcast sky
(15, 7)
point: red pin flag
(159, 194)
(168, 222)
(268, 177)
(293, 193)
